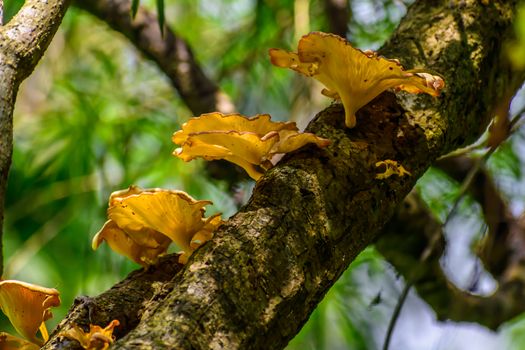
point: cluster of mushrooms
(142, 223)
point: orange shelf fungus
(97, 338)
(10, 342)
(350, 75)
(143, 222)
(248, 142)
(28, 306)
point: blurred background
(95, 117)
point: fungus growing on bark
(97, 338)
(351, 75)
(143, 222)
(391, 168)
(10, 342)
(248, 142)
(28, 307)
(145, 250)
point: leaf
(134, 7)
(160, 15)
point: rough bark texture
(22, 43)
(255, 284)
(126, 301)
(170, 52)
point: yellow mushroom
(143, 222)
(155, 244)
(97, 338)
(28, 306)
(10, 342)
(391, 167)
(248, 142)
(351, 75)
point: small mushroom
(351, 75)
(391, 167)
(10, 342)
(97, 338)
(248, 142)
(154, 243)
(143, 222)
(28, 306)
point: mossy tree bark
(255, 284)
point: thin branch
(396, 313)
(169, 51)
(496, 249)
(23, 41)
(338, 14)
(502, 225)
(405, 238)
(175, 58)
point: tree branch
(170, 52)
(175, 58)
(139, 287)
(408, 235)
(499, 247)
(338, 14)
(255, 284)
(22, 43)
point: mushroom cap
(174, 214)
(10, 342)
(143, 222)
(144, 247)
(97, 338)
(27, 306)
(247, 142)
(351, 75)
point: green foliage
(134, 7)
(515, 333)
(516, 50)
(10, 8)
(160, 12)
